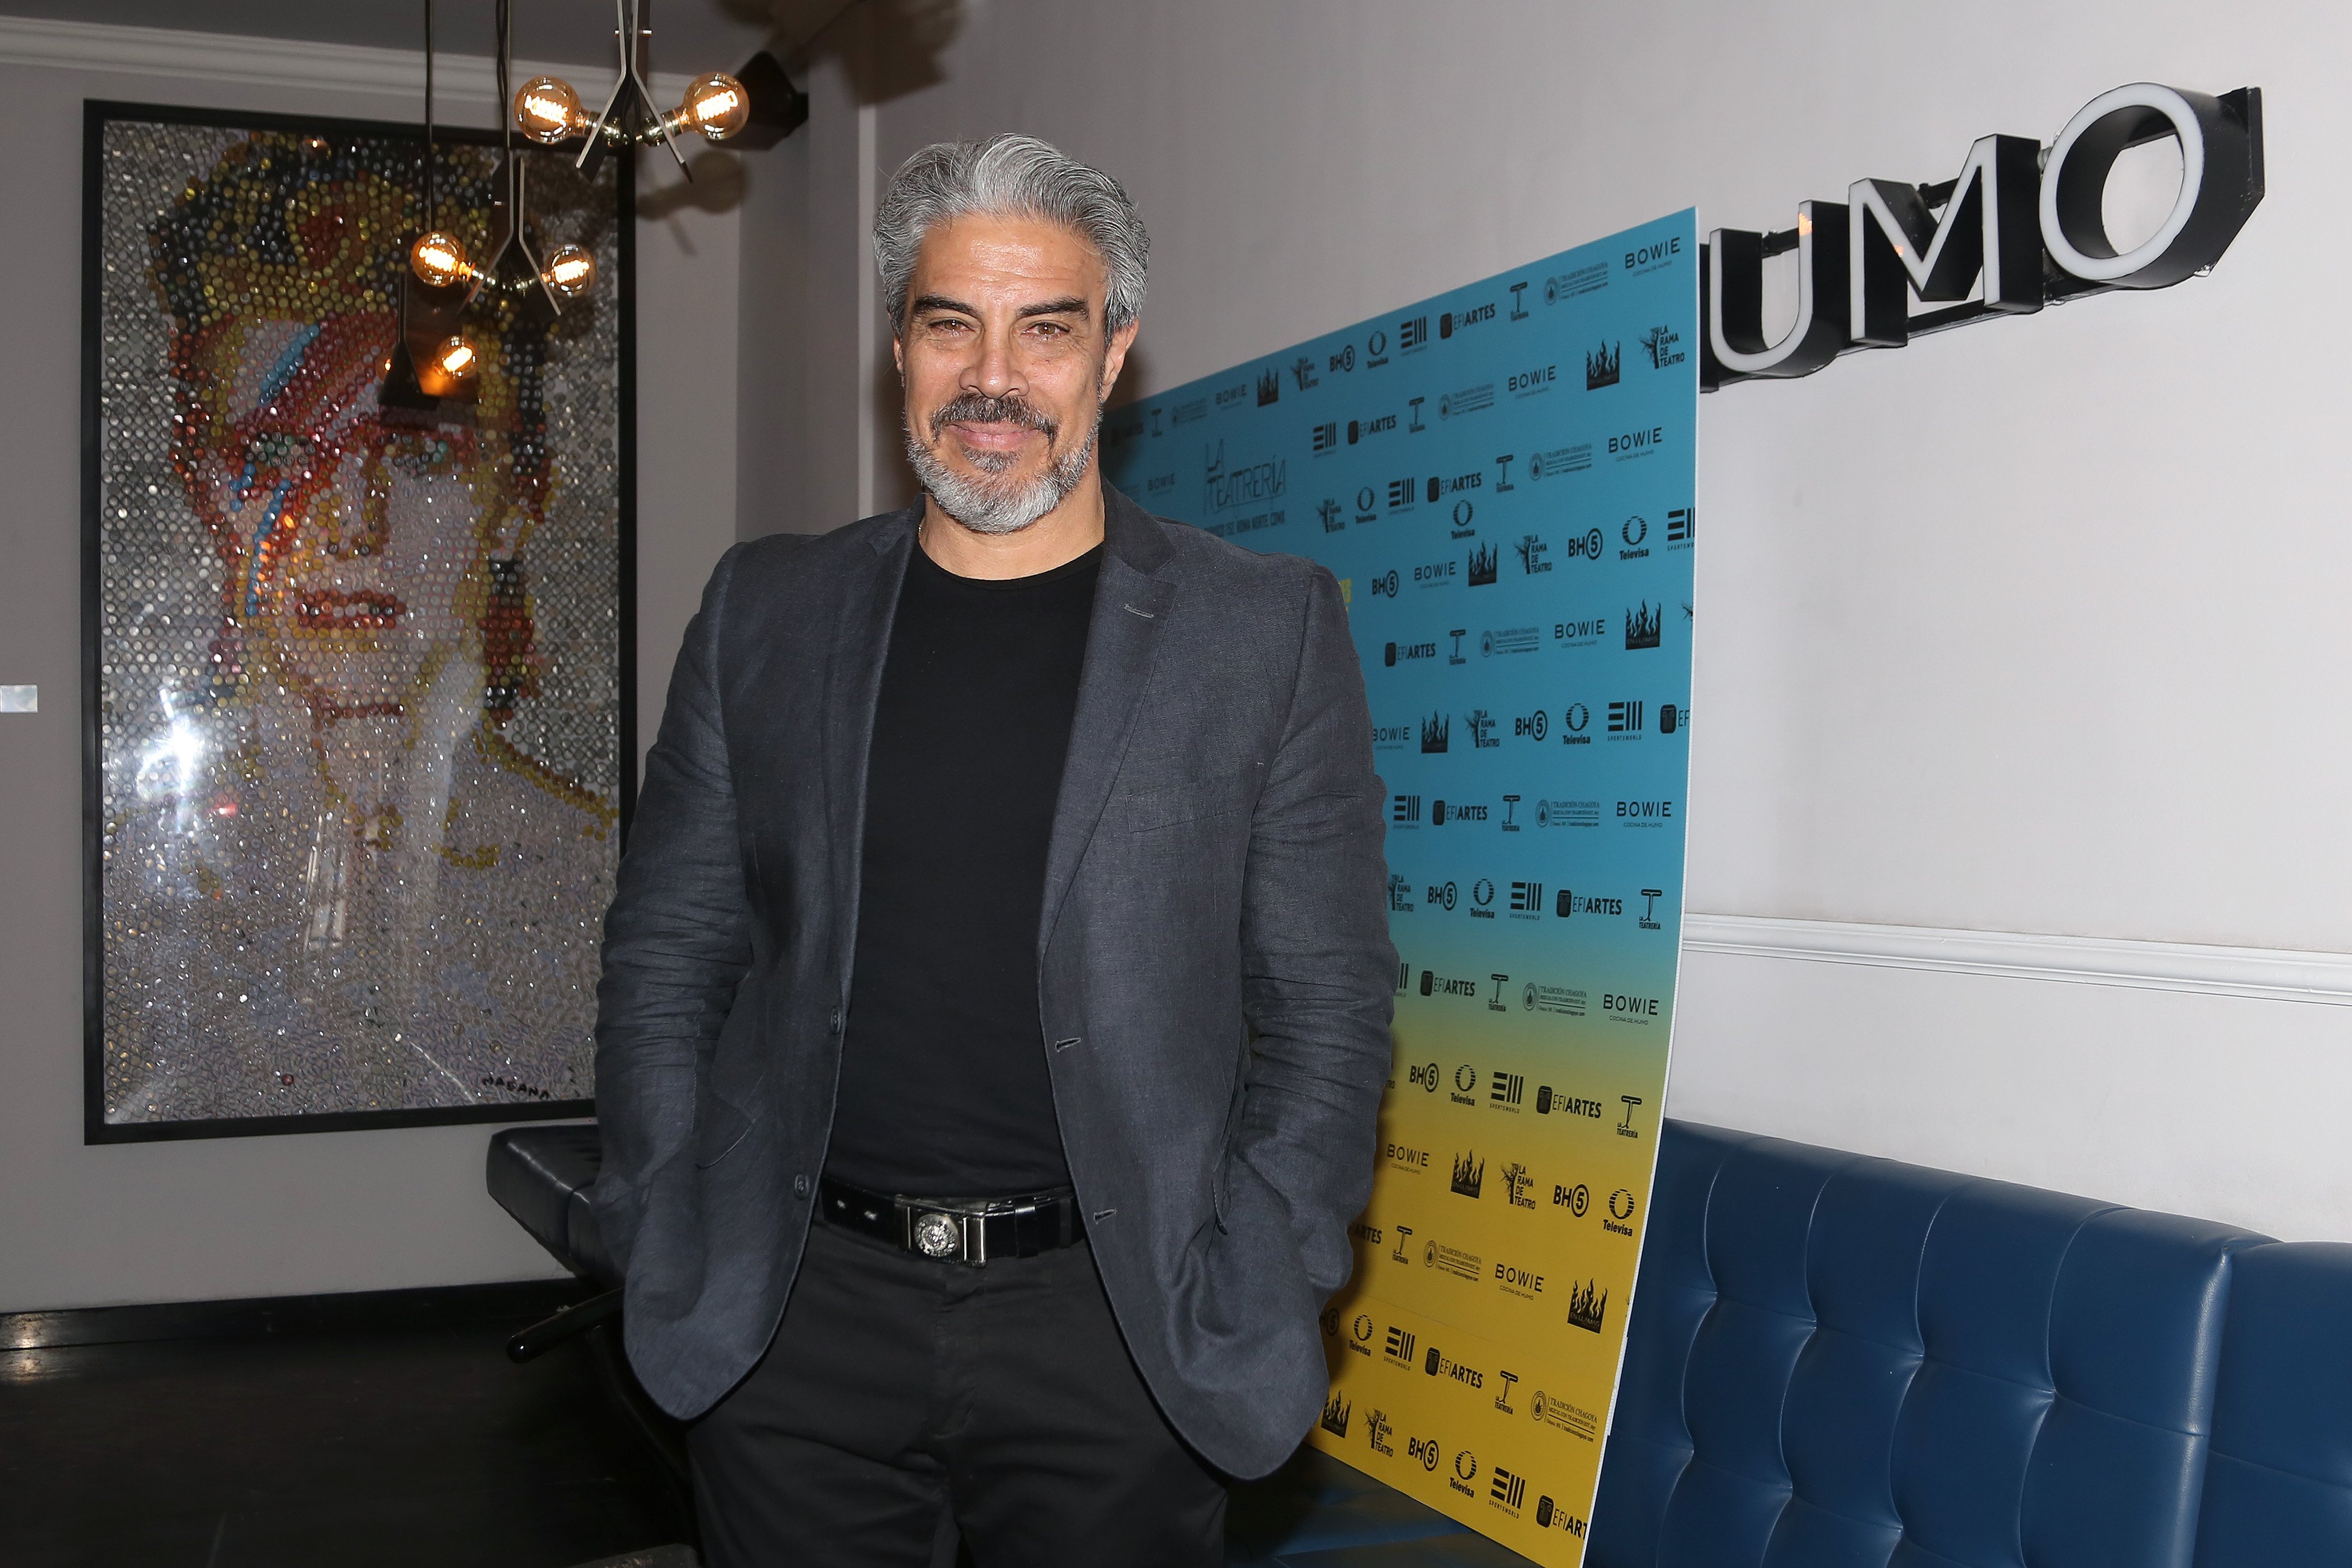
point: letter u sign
(2029, 225)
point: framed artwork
(357, 727)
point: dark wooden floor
(409, 1446)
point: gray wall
(246, 1216)
(2019, 650)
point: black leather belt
(956, 1230)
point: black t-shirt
(944, 1091)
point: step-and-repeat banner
(1501, 477)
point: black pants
(904, 1399)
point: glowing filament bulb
(547, 110)
(716, 105)
(438, 259)
(455, 358)
(571, 271)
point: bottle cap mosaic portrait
(358, 735)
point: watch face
(936, 1235)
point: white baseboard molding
(2267, 974)
(464, 85)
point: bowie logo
(1507, 1491)
(1405, 1158)
(1626, 1005)
(1637, 442)
(1302, 370)
(1434, 574)
(1504, 1091)
(1391, 736)
(1378, 1430)
(1644, 813)
(1400, 1345)
(1601, 366)
(1516, 1180)
(1440, 1366)
(1585, 1310)
(1682, 527)
(1533, 379)
(1335, 518)
(1585, 546)
(1643, 625)
(1434, 731)
(1335, 1415)
(1482, 565)
(1469, 1173)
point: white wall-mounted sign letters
(2027, 225)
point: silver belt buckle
(938, 1234)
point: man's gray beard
(990, 505)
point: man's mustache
(978, 408)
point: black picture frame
(97, 113)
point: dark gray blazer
(1214, 971)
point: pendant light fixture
(755, 108)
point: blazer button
(836, 1020)
(800, 1186)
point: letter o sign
(2206, 215)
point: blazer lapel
(1132, 597)
(861, 641)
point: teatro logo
(2018, 228)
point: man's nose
(993, 371)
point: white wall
(245, 1216)
(2033, 627)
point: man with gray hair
(996, 996)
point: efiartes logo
(2017, 229)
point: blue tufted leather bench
(1836, 1360)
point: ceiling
(689, 34)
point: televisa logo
(2028, 222)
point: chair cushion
(541, 1176)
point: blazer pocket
(718, 1129)
(1171, 805)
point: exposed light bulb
(571, 271)
(716, 105)
(438, 259)
(547, 110)
(455, 358)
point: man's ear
(1115, 355)
(898, 354)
